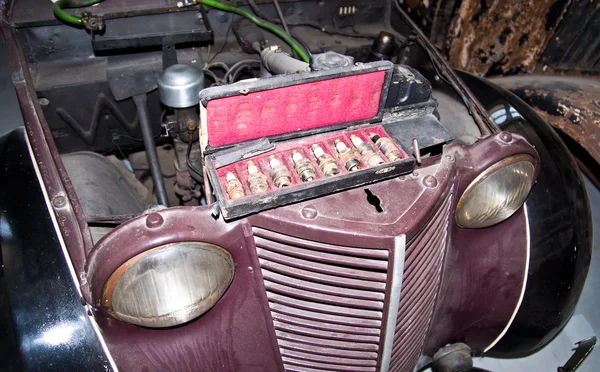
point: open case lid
(281, 106)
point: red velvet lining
(283, 153)
(294, 108)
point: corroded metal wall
(504, 37)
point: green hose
(65, 17)
(260, 23)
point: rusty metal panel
(492, 37)
(575, 44)
(569, 104)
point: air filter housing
(179, 85)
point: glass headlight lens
(169, 285)
(496, 193)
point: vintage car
(293, 185)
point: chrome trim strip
(527, 254)
(394, 304)
(66, 254)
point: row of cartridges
(281, 177)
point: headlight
(168, 285)
(496, 193)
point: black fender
(43, 323)
(570, 105)
(560, 225)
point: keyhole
(374, 201)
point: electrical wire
(236, 74)
(209, 60)
(67, 18)
(222, 65)
(287, 30)
(260, 23)
(194, 172)
(281, 17)
(242, 63)
(213, 76)
(305, 46)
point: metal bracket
(584, 348)
(243, 151)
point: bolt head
(430, 181)
(505, 137)
(222, 16)
(154, 220)
(59, 201)
(191, 125)
(309, 212)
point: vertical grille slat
(328, 334)
(321, 288)
(308, 295)
(327, 318)
(318, 351)
(328, 343)
(318, 256)
(326, 366)
(327, 359)
(422, 274)
(323, 308)
(380, 254)
(325, 325)
(295, 272)
(326, 301)
(322, 268)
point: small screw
(430, 181)
(154, 220)
(222, 16)
(505, 137)
(309, 212)
(59, 201)
(191, 125)
(415, 174)
(449, 158)
(44, 101)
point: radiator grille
(326, 301)
(422, 273)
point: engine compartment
(128, 57)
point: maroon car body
(454, 284)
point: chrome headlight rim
(185, 313)
(487, 173)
